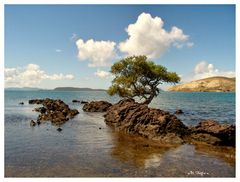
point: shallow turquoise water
(82, 149)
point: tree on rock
(136, 76)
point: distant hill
(211, 84)
(76, 89)
(23, 88)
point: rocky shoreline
(134, 118)
(55, 111)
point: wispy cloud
(73, 37)
(190, 44)
(58, 50)
(102, 74)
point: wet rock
(134, 118)
(36, 101)
(38, 122)
(76, 101)
(32, 123)
(59, 129)
(21, 103)
(96, 106)
(84, 102)
(214, 133)
(40, 109)
(179, 111)
(73, 112)
(55, 111)
(206, 138)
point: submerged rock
(84, 102)
(55, 111)
(59, 129)
(179, 111)
(76, 101)
(96, 106)
(32, 123)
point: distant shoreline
(102, 90)
(59, 89)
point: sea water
(88, 147)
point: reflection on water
(223, 153)
(184, 160)
(137, 151)
(86, 147)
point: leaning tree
(136, 76)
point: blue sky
(48, 46)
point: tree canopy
(136, 76)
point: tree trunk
(149, 99)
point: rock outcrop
(133, 118)
(55, 111)
(96, 106)
(212, 84)
(214, 133)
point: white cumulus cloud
(102, 74)
(203, 70)
(98, 53)
(29, 76)
(148, 37)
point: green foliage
(135, 76)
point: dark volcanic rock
(134, 118)
(214, 133)
(59, 129)
(96, 106)
(179, 111)
(84, 102)
(21, 103)
(55, 111)
(36, 101)
(40, 109)
(130, 117)
(76, 101)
